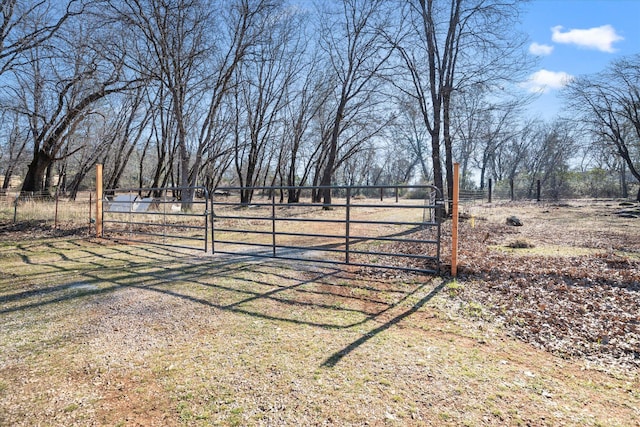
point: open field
(99, 333)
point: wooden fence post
(99, 191)
(454, 222)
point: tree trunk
(48, 180)
(7, 177)
(448, 150)
(326, 179)
(74, 185)
(482, 173)
(333, 150)
(34, 179)
(186, 192)
(293, 195)
(623, 181)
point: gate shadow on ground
(301, 253)
(237, 284)
(339, 355)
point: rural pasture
(542, 327)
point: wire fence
(50, 210)
(560, 187)
(522, 189)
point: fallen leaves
(584, 306)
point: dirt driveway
(96, 333)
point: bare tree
(58, 87)
(598, 157)
(27, 24)
(218, 154)
(470, 129)
(156, 160)
(383, 165)
(191, 69)
(305, 131)
(409, 135)
(13, 142)
(170, 49)
(480, 128)
(246, 25)
(506, 152)
(452, 45)
(548, 159)
(263, 81)
(358, 52)
(111, 139)
(608, 104)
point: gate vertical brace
(130, 215)
(436, 202)
(439, 234)
(206, 220)
(55, 218)
(99, 195)
(346, 225)
(273, 223)
(213, 233)
(164, 217)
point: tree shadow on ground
(302, 293)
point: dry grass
(67, 212)
(96, 333)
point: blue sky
(576, 37)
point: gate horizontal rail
(133, 214)
(402, 234)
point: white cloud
(544, 80)
(599, 38)
(540, 49)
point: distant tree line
(274, 92)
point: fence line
(45, 208)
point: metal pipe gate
(157, 215)
(358, 230)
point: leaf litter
(584, 306)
